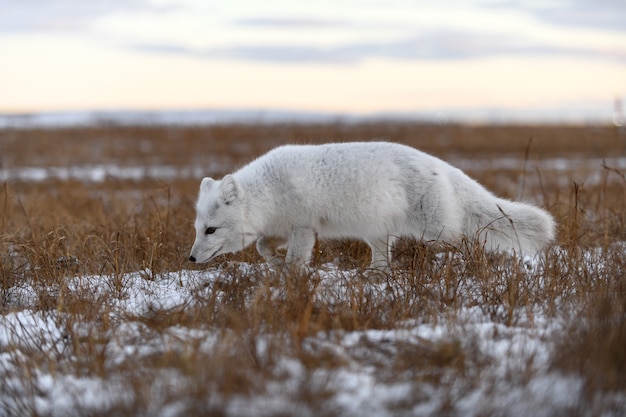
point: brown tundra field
(102, 314)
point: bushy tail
(503, 225)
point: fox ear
(206, 184)
(230, 190)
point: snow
(168, 118)
(365, 383)
(100, 173)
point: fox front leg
(300, 246)
(381, 252)
(267, 248)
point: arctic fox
(373, 191)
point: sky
(564, 59)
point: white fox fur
(373, 191)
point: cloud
(346, 40)
(433, 45)
(33, 16)
(292, 22)
(263, 53)
(599, 14)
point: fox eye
(210, 230)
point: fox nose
(192, 258)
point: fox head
(220, 220)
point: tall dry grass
(56, 229)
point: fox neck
(250, 229)
(258, 205)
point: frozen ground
(472, 358)
(505, 371)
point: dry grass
(55, 231)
